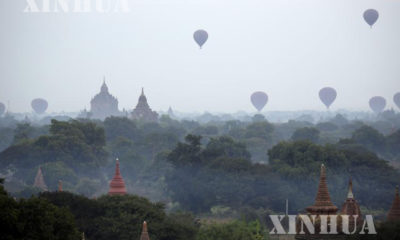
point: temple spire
(60, 189)
(145, 234)
(104, 87)
(350, 207)
(394, 212)
(143, 111)
(39, 180)
(350, 194)
(117, 184)
(323, 203)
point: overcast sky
(288, 48)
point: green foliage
(120, 127)
(121, 217)
(236, 230)
(226, 146)
(310, 134)
(55, 171)
(300, 161)
(6, 137)
(262, 130)
(326, 126)
(219, 174)
(34, 219)
(369, 138)
(207, 130)
(79, 145)
(258, 118)
(25, 131)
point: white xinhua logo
(326, 222)
(76, 6)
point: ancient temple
(323, 204)
(117, 184)
(143, 112)
(39, 180)
(394, 212)
(350, 207)
(145, 234)
(104, 104)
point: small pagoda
(60, 187)
(394, 212)
(143, 111)
(117, 184)
(39, 180)
(145, 234)
(350, 207)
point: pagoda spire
(117, 184)
(323, 203)
(350, 194)
(104, 87)
(143, 111)
(394, 212)
(350, 207)
(145, 234)
(60, 188)
(39, 180)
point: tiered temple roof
(350, 207)
(143, 111)
(104, 104)
(39, 180)
(145, 234)
(322, 206)
(394, 212)
(323, 203)
(117, 184)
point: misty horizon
(290, 51)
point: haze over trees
(232, 173)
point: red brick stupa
(117, 184)
(145, 234)
(60, 189)
(323, 204)
(394, 212)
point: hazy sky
(287, 48)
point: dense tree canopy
(35, 219)
(121, 217)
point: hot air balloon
(2, 108)
(327, 96)
(39, 105)
(377, 104)
(259, 100)
(200, 36)
(396, 99)
(371, 16)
